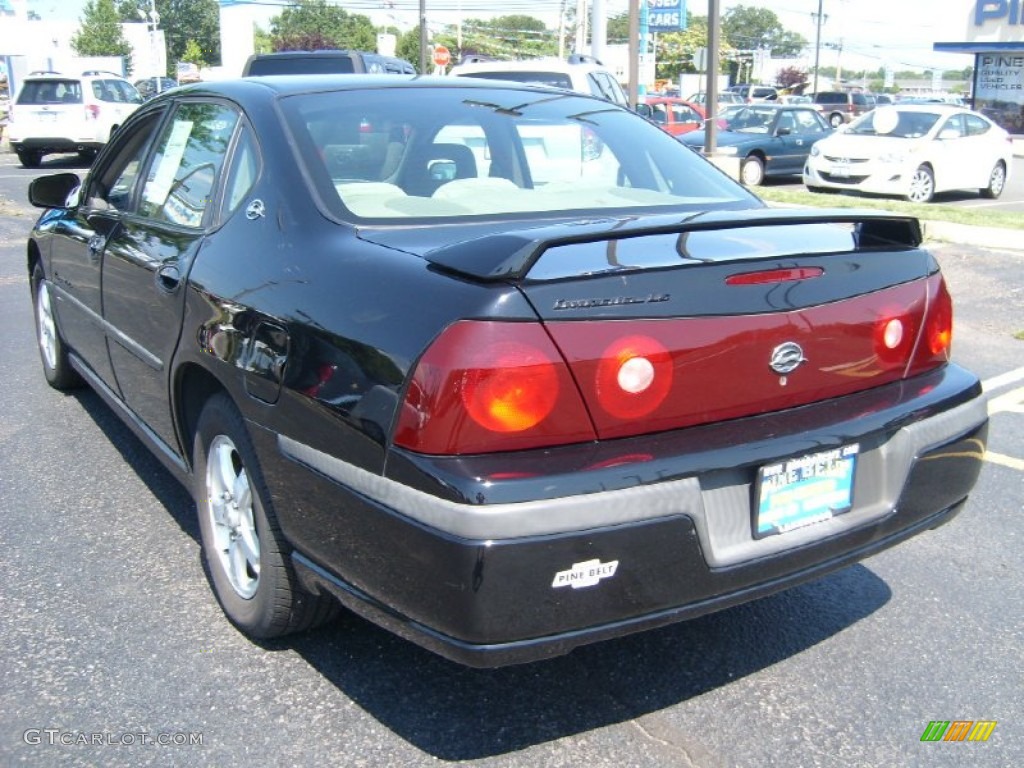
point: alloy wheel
(229, 503)
(46, 325)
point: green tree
(617, 30)
(321, 24)
(100, 33)
(194, 54)
(748, 28)
(675, 50)
(180, 21)
(408, 46)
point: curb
(965, 234)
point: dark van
(325, 62)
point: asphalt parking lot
(115, 653)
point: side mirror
(53, 191)
(783, 131)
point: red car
(676, 116)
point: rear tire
(247, 557)
(52, 351)
(835, 120)
(30, 158)
(996, 182)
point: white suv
(583, 74)
(61, 113)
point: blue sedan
(769, 139)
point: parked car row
(907, 150)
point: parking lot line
(1003, 379)
(1012, 401)
(1005, 461)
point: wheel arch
(194, 386)
(33, 256)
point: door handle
(168, 278)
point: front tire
(922, 185)
(52, 351)
(246, 555)
(752, 171)
(996, 182)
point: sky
(873, 33)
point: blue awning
(979, 47)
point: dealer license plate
(804, 490)
(842, 171)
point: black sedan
(768, 139)
(505, 369)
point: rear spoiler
(509, 255)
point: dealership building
(995, 37)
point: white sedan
(913, 151)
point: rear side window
(116, 91)
(51, 92)
(859, 99)
(830, 98)
(605, 86)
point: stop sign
(442, 56)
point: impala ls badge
(786, 358)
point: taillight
(894, 335)
(92, 111)
(633, 377)
(491, 386)
(935, 344)
(939, 326)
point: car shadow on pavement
(456, 713)
(167, 490)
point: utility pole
(817, 46)
(634, 52)
(423, 37)
(711, 100)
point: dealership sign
(995, 21)
(669, 15)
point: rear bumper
(53, 144)
(478, 579)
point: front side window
(461, 152)
(190, 152)
(808, 122)
(113, 186)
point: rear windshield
(552, 79)
(407, 153)
(51, 92)
(302, 65)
